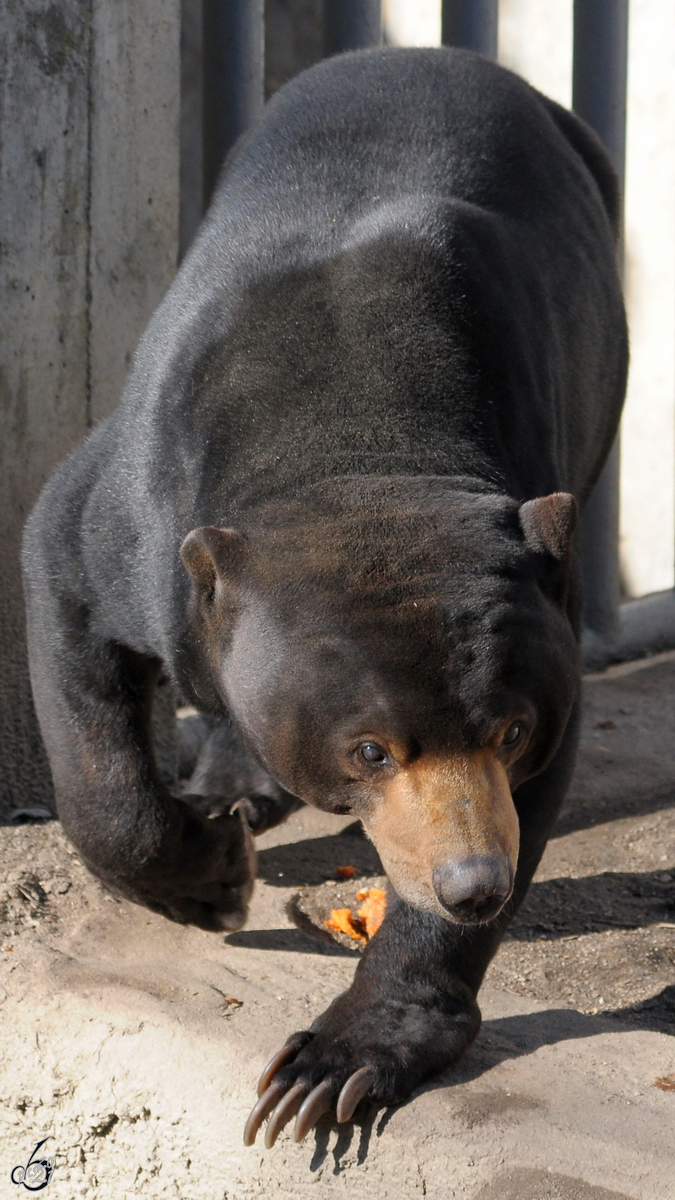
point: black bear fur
(387, 373)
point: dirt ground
(596, 937)
(597, 930)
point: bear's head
(401, 650)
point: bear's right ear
(212, 555)
(549, 523)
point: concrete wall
(648, 440)
(535, 39)
(412, 22)
(89, 213)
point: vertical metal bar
(599, 96)
(233, 77)
(599, 72)
(472, 24)
(600, 551)
(351, 25)
(191, 206)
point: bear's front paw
(217, 864)
(202, 874)
(363, 1045)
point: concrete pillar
(134, 180)
(535, 40)
(89, 222)
(418, 24)
(648, 428)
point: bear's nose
(474, 889)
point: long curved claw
(353, 1091)
(284, 1112)
(260, 1111)
(282, 1056)
(313, 1106)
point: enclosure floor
(135, 1044)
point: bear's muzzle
(447, 832)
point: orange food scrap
(342, 920)
(373, 910)
(346, 872)
(666, 1083)
(367, 921)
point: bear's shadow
(500, 1039)
(554, 908)
(315, 860)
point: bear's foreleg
(411, 1011)
(93, 697)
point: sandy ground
(135, 1044)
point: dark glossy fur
(401, 320)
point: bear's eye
(513, 734)
(373, 753)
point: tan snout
(447, 832)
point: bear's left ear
(211, 555)
(549, 523)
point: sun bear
(337, 506)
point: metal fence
(233, 36)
